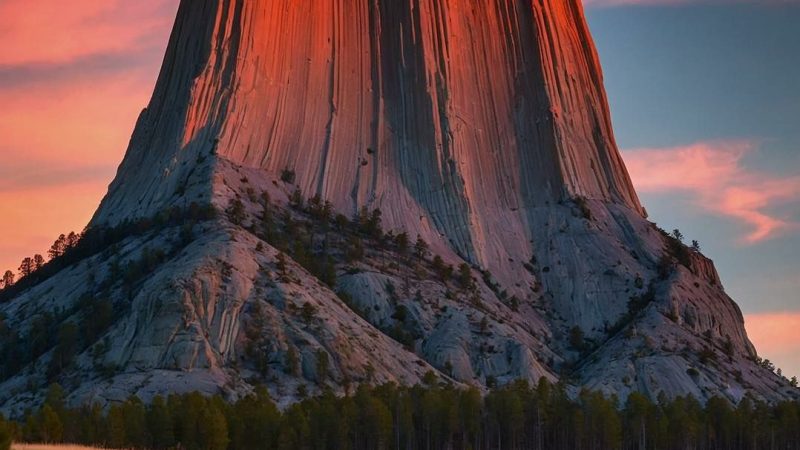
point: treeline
(68, 332)
(71, 248)
(302, 232)
(433, 416)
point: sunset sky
(705, 97)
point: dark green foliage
(421, 248)
(281, 265)
(6, 434)
(369, 223)
(323, 366)
(236, 212)
(636, 304)
(706, 355)
(583, 207)
(26, 268)
(576, 339)
(8, 280)
(292, 362)
(159, 424)
(72, 331)
(355, 249)
(727, 346)
(665, 266)
(341, 221)
(287, 175)
(97, 239)
(308, 312)
(296, 200)
(321, 211)
(253, 422)
(400, 313)
(17, 350)
(442, 270)
(465, 276)
(64, 351)
(516, 416)
(676, 250)
(401, 241)
(136, 269)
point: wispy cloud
(74, 75)
(714, 175)
(776, 336)
(54, 31)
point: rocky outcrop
(456, 118)
(480, 127)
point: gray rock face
(481, 127)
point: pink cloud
(777, 338)
(714, 174)
(73, 77)
(55, 31)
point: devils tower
(479, 129)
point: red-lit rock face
(455, 117)
(475, 124)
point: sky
(704, 96)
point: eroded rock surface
(481, 127)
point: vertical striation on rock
(480, 126)
(465, 113)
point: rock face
(481, 127)
(456, 118)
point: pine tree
(281, 266)
(212, 429)
(440, 268)
(73, 240)
(236, 211)
(355, 249)
(296, 200)
(374, 228)
(421, 248)
(8, 279)
(465, 276)
(51, 429)
(576, 339)
(159, 424)
(116, 427)
(292, 362)
(288, 175)
(26, 267)
(639, 413)
(308, 312)
(38, 262)
(58, 247)
(5, 434)
(323, 366)
(401, 240)
(135, 419)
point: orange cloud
(777, 338)
(55, 31)
(714, 175)
(73, 78)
